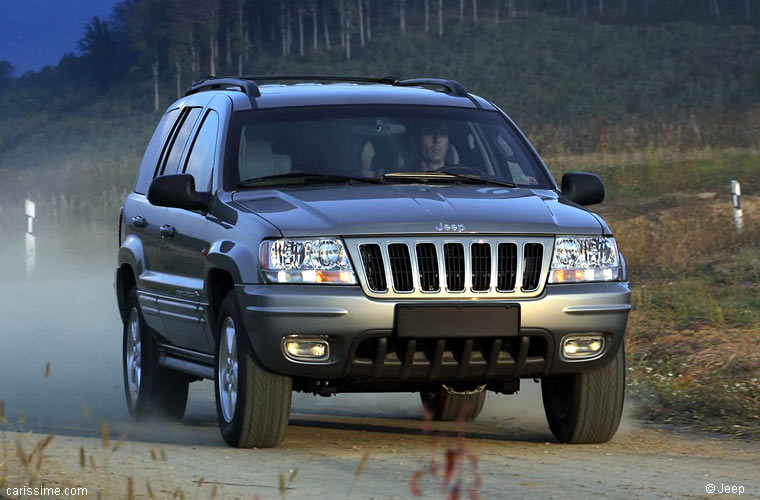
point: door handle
(167, 231)
(138, 221)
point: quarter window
(172, 158)
(200, 162)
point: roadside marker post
(30, 243)
(736, 198)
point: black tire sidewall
(231, 431)
(566, 427)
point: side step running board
(197, 369)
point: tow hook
(477, 390)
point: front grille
(484, 267)
(532, 266)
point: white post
(736, 197)
(30, 247)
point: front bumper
(365, 349)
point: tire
(448, 407)
(586, 407)
(258, 413)
(152, 392)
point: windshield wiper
(444, 176)
(306, 177)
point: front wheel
(252, 403)
(586, 407)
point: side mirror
(583, 188)
(178, 191)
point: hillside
(576, 84)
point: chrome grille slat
(479, 269)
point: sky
(37, 33)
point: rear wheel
(252, 403)
(151, 390)
(446, 405)
(586, 407)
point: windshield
(377, 141)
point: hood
(416, 209)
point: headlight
(578, 259)
(322, 260)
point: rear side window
(200, 162)
(173, 155)
(153, 151)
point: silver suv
(363, 235)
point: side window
(520, 169)
(153, 151)
(172, 155)
(200, 162)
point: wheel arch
(219, 282)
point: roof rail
(214, 83)
(247, 84)
(452, 87)
(388, 80)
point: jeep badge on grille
(450, 228)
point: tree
(6, 73)
(300, 10)
(714, 8)
(368, 12)
(145, 21)
(312, 4)
(401, 6)
(326, 26)
(241, 42)
(210, 23)
(475, 11)
(427, 16)
(360, 4)
(440, 18)
(100, 52)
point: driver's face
(434, 145)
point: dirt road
(74, 326)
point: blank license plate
(469, 320)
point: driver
(431, 143)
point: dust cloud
(66, 315)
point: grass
(695, 280)
(694, 334)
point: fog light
(582, 346)
(306, 349)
